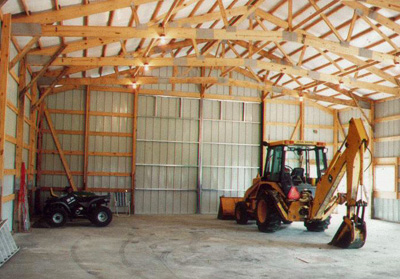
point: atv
(77, 205)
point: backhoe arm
(352, 231)
(350, 162)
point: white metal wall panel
(387, 129)
(166, 167)
(230, 150)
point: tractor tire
(101, 216)
(287, 222)
(241, 215)
(268, 220)
(56, 217)
(317, 226)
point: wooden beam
(296, 128)
(371, 13)
(23, 52)
(76, 11)
(48, 90)
(19, 148)
(20, 124)
(44, 69)
(206, 80)
(222, 62)
(210, 34)
(386, 4)
(86, 139)
(32, 137)
(61, 152)
(4, 63)
(335, 131)
(302, 120)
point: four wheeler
(297, 185)
(77, 205)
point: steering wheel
(289, 168)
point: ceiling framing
(336, 53)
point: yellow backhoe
(297, 185)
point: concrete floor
(199, 247)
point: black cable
(370, 162)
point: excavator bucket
(226, 209)
(350, 235)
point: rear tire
(241, 215)
(56, 217)
(101, 216)
(317, 226)
(268, 220)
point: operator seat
(297, 176)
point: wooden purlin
(4, 63)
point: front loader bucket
(350, 235)
(226, 209)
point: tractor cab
(295, 163)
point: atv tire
(241, 215)
(268, 220)
(317, 226)
(101, 216)
(56, 217)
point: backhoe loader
(297, 185)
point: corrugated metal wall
(281, 119)
(387, 129)
(167, 152)
(231, 150)
(105, 171)
(167, 162)
(11, 131)
(387, 209)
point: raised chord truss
(336, 53)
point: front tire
(268, 219)
(56, 217)
(101, 216)
(317, 226)
(241, 215)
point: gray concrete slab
(199, 247)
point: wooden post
(264, 135)
(32, 150)
(86, 148)
(302, 120)
(33, 116)
(61, 152)
(39, 127)
(4, 62)
(200, 147)
(20, 141)
(335, 131)
(372, 167)
(134, 137)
